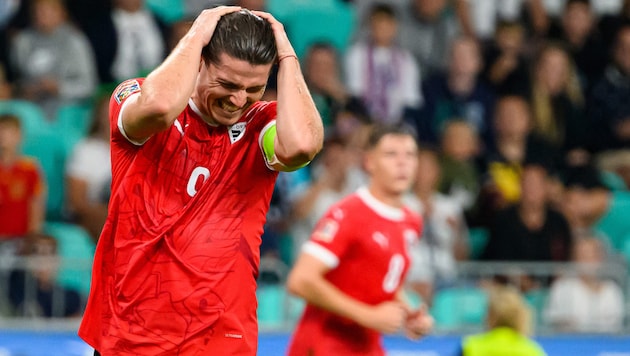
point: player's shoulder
(126, 88)
(261, 111)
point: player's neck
(386, 197)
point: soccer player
(195, 155)
(351, 270)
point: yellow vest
(501, 341)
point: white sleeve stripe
(120, 123)
(321, 253)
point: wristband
(286, 56)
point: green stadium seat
(271, 305)
(478, 238)
(459, 307)
(73, 122)
(31, 116)
(76, 248)
(169, 11)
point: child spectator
(33, 291)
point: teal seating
(169, 11)
(31, 116)
(73, 121)
(50, 151)
(537, 299)
(459, 307)
(76, 248)
(477, 238)
(332, 23)
(271, 305)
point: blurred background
(522, 112)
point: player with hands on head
(195, 155)
(352, 269)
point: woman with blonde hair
(509, 322)
(557, 99)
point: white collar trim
(194, 107)
(387, 211)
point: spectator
(88, 174)
(34, 291)
(530, 230)
(590, 206)
(509, 323)
(22, 186)
(585, 301)
(53, 61)
(459, 177)
(577, 30)
(609, 107)
(6, 90)
(444, 239)
(557, 101)
(323, 77)
(380, 72)
(455, 93)
(514, 143)
(428, 29)
(505, 62)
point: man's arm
(307, 280)
(300, 131)
(418, 322)
(166, 90)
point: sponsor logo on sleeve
(125, 89)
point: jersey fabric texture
(175, 267)
(365, 243)
(20, 183)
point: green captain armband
(267, 144)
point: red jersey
(364, 242)
(20, 183)
(176, 264)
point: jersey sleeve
(332, 237)
(124, 93)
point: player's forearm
(318, 291)
(166, 90)
(299, 127)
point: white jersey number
(191, 187)
(392, 278)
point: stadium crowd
(521, 109)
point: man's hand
(282, 40)
(418, 323)
(387, 317)
(206, 22)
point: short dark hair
(11, 119)
(242, 35)
(378, 131)
(382, 9)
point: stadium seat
(31, 116)
(271, 305)
(73, 122)
(459, 307)
(76, 248)
(478, 238)
(49, 149)
(169, 11)
(537, 299)
(333, 24)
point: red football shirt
(20, 183)
(365, 243)
(176, 264)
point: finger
(265, 15)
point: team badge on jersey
(125, 89)
(236, 131)
(326, 231)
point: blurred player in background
(195, 155)
(352, 270)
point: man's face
(226, 90)
(392, 164)
(10, 137)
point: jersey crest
(236, 132)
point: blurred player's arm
(300, 131)
(307, 280)
(166, 90)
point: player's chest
(380, 241)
